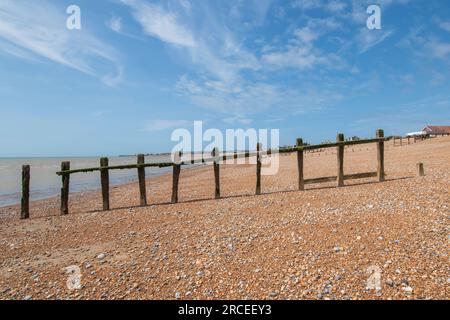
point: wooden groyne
(300, 149)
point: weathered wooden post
(380, 155)
(340, 160)
(104, 177)
(420, 170)
(176, 176)
(301, 180)
(65, 166)
(258, 168)
(215, 154)
(141, 177)
(25, 203)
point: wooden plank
(104, 178)
(380, 156)
(234, 156)
(25, 202)
(340, 160)
(353, 176)
(301, 179)
(176, 177)
(65, 166)
(215, 154)
(360, 175)
(258, 169)
(141, 177)
(319, 180)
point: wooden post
(216, 154)
(420, 170)
(340, 160)
(258, 168)
(380, 156)
(104, 176)
(176, 177)
(25, 203)
(301, 179)
(65, 166)
(401, 141)
(141, 177)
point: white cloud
(445, 25)
(438, 49)
(301, 51)
(426, 45)
(39, 29)
(306, 35)
(115, 24)
(307, 4)
(210, 44)
(299, 57)
(336, 6)
(160, 23)
(237, 120)
(161, 125)
(251, 98)
(367, 39)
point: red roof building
(437, 130)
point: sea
(44, 183)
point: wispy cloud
(36, 28)
(210, 45)
(301, 52)
(254, 97)
(426, 45)
(161, 124)
(160, 23)
(367, 39)
(445, 25)
(115, 24)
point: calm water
(45, 183)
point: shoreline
(76, 195)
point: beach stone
(390, 282)
(408, 289)
(101, 256)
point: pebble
(408, 289)
(101, 256)
(390, 283)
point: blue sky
(140, 68)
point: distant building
(437, 130)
